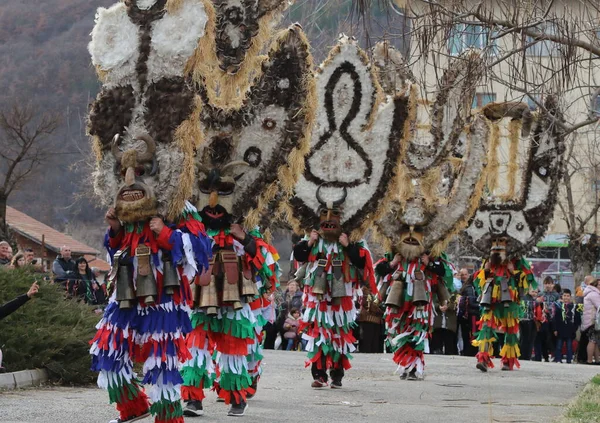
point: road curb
(23, 379)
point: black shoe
(482, 366)
(403, 376)
(238, 410)
(2, 370)
(132, 419)
(336, 384)
(506, 367)
(412, 375)
(193, 408)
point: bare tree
(23, 148)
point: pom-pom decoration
(519, 214)
(253, 155)
(444, 153)
(140, 121)
(354, 148)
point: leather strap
(142, 252)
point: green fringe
(131, 390)
(197, 376)
(166, 410)
(235, 382)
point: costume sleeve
(383, 268)
(13, 305)
(249, 245)
(353, 251)
(163, 239)
(302, 251)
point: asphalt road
(453, 391)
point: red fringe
(151, 347)
(512, 363)
(407, 355)
(192, 393)
(197, 338)
(227, 344)
(484, 357)
(131, 408)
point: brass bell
(208, 298)
(249, 288)
(486, 295)
(395, 298)
(382, 288)
(320, 279)
(145, 283)
(124, 280)
(231, 293)
(505, 292)
(419, 297)
(195, 288)
(301, 274)
(170, 277)
(338, 288)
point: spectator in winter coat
(467, 313)
(64, 267)
(565, 323)
(4, 253)
(591, 303)
(527, 324)
(292, 298)
(544, 339)
(444, 339)
(13, 305)
(291, 328)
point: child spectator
(291, 328)
(565, 323)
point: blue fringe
(159, 320)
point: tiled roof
(53, 239)
(100, 264)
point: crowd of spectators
(78, 279)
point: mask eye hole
(204, 186)
(269, 124)
(226, 188)
(140, 171)
(335, 212)
(324, 212)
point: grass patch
(586, 407)
(48, 332)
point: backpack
(597, 321)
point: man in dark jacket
(565, 323)
(64, 267)
(467, 313)
(13, 305)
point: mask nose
(213, 199)
(328, 214)
(129, 176)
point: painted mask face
(330, 217)
(216, 189)
(411, 242)
(498, 251)
(136, 172)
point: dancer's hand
(237, 232)
(510, 266)
(397, 258)
(425, 259)
(112, 220)
(156, 225)
(314, 237)
(33, 290)
(344, 240)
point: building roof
(99, 264)
(53, 239)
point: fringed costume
(409, 321)
(334, 275)
(227, 328)
(512, 219)
(149, 324)
(499, 290)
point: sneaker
(219, 399)
(132, 419)
(403, 376)
(336, 384)
(412, 375)
(506, 367)
(193, 408)
(238, 410)
(482, 366)
(318, 383)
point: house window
(465, 36)
(481, 99)
(544, 48)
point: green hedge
(49, 331)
